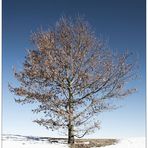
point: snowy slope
(129, 143)
(13, 144)
(18, 141)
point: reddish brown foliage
(72, 76)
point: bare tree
(72, 77)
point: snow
(18, 141)
(138, 142)
(9, 144)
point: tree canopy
(72, 76)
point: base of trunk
(71, 140)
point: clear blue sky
(121, 22)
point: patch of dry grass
(88, 143)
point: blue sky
(121, 22)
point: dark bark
(70, 134)
(70, 110)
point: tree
(72, 77)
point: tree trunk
(70, 110)
(70, 126)
(70, 134)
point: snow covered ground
(13, 144)
(18, 141)
(130, 143)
